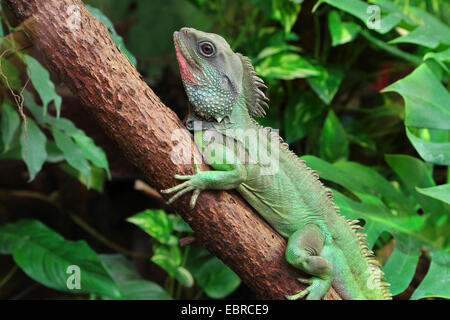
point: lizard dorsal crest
(255, 99)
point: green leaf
(168, 258)
(441, 192)
(184, 277)
(179, 224)
(389, 15)
(438, 153)
(131, 284)
(341, 32)
(9, 124)
(33, 146)
(326, 84)
(430, 32)
(426, 100)
(53, 153)
(38, 113)
(414, 173)
(157, 224)
(96, 179)
(44, 86)
(95, 154)
(286, 66)
(216, 279)
(333, 140)
(437, 280)
(89, 150)
(73, 153)
(356, 8)
(211, 274)
(401, 265)
(286, 12)
(12, 75)
(366, 180)
(441, 58)
(45, 256)
(303, 114)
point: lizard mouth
(185, 60)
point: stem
(391, 49)
(198, 294)
(183, 262)
(9, 275)
(317, 35)
(86, 227)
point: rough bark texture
(84, 57)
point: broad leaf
(441, 192)
(73, 153)
(414, 173)
(304, 113)
(286, 12)
(46, 257)
(44, 86)
(333, 140)
(12, 75)
(211, 274)
(430, 32)
(426, 99)
(33, 146)
(441, 58)
(131, 284)
(157, 224)
(326, 84)
(438, 153)
(91, 151)
(341, 32)
(9, 124)
(381, 18)
(437, 280)
(286, 66)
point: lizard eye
(207, 48)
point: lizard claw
(185, 187)
(305, 281)
(316, 290)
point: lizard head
(214, 76)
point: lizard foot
(315, 291)
(193, 183)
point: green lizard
(224, 91)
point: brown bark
(90, 64)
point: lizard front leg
(207, 180)
(229, 172)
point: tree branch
(85, 58)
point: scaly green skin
(223, 89)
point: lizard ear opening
(256, 100)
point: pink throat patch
(185, 72)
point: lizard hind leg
(304, 250)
